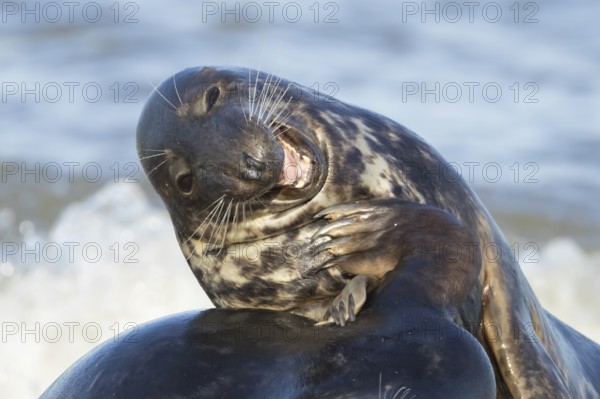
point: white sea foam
(566, 281)
(109, 292)
(96, 295)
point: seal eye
(212, 94)
(185, 183)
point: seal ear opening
(182, 176)
(185, 182)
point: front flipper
(367, 239)
(350, 301)
(344, 307)
(362, 237)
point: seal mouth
(301, 163)
(298, 160)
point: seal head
(221, 147)
(236, 227)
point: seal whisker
(156, 167)
(284, 111)
(177, 91)
(268, 110)
(253, 102)
(276, 104)
(260, 96)
(271, 87)
(149, 150)
(263, 95)
(212, 216)
(259, 199)
(254, 201)
(235, 216)
(278, 133)
(191, 254)
(404, 391)
(213, 203)
(241, 106)
(249, 93)
(203, 231)
(212, 234)
(271, 90)
(283, 108)
(281, 123)
(282, 127)
(155, 88)
(229, 222)
(215, 212)
(207, 216)
(154, 155)
(223, 226)
(250, 210)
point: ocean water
(507, 91)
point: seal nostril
(185, 183)
(254, 163)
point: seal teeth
(296, 166)
(300, 183)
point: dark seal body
(220, 158)
(400, 347)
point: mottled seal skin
(219, 155)
(403, 345)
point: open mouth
(298, 162)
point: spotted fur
(359, 155)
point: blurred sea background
(507, 91)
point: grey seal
(244, 172)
